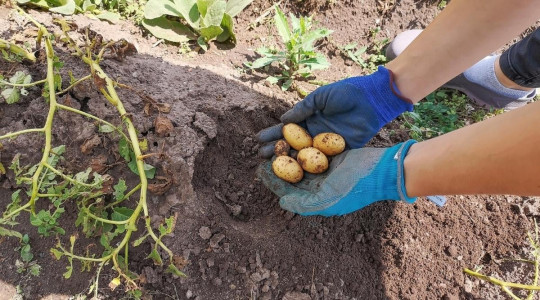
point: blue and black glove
(356, 108)
(355, 179)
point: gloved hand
(356, 108)
(355, 179)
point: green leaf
(174, 270)
(87, 5)
(214, 14)
(264, 61)
(272, 79)
(188, 9)
(121, 213)
(119, 189)
(157, 8)
(69, 270)
(234, 7)
(228, 30)
(169, 30)
(11, 95)
(108, 16)
(124, 149)
(154, 255)
(9, 232)
(202, 43)
(57, 254)
(282, 25)
(139, 241)
(202, 6)
(287, 84)
(149, 170)
(35, 269)
(67, 7)
(211, 32)
(105, 128)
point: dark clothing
(521, 62)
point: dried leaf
(160, 188)
(90, 144)
(99, 164)
(163, 126)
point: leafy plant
(17, 83)
(202, 20)
(109, 215)
(26, 264)
(96, 8)
(442, 111)
(299, 59)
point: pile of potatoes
(312, 152)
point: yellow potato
(288, 169)
(329, 143)
(297, 136)
(282, 148)
(312, 160)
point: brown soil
(238, 242)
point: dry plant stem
(501, 282)
(17, 50)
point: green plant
(27, 264)
(440, 112)
(299, 59)
(184, 20)
(101, 9)
(111, 216)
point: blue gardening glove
(356, 108)
(355, 179)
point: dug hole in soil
(235, 239)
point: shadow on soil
(230, 228)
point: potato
(312, 160)
(288, 169)
(282, 148)
(297, 136)
(329, 143)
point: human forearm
(497, 156)
(458, 37)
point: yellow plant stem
(23, 84)
(14, 134)
(17, 50)
(502, 283)
(50, 117)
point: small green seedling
(299, 59)
(184, 20)
(27, 264)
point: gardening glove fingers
(355, 179)
(270, 134)
(267, 151)
(356, 108)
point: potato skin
(288, 169)
(282, 148)
(312, 160)
(329, 143)
(297, 136)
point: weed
(201, 20)
(299, 59)
(27, 264)
(101, 9)
(114, 221)
(440, 112)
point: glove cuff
(390, 103)
(400, 157)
